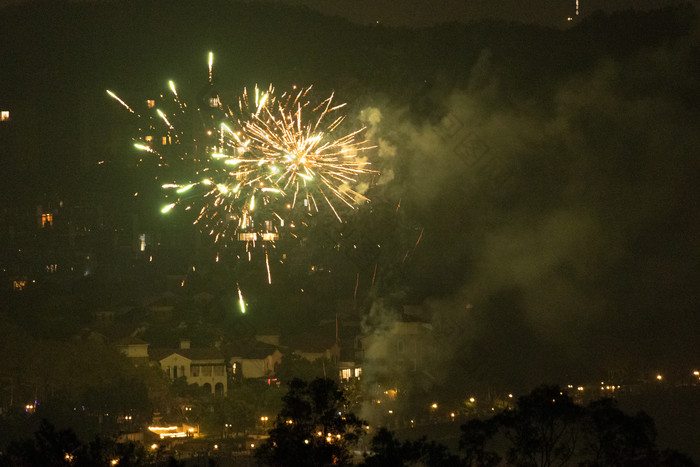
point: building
(254, 359)
(205, 367)
(133, 347)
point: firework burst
(248, 171)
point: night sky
(425, 13)
(552, 166)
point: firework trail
(241, 302)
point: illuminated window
(247, 236)
(345, 374)
(358, 372)
(4, 115)
(149, 138)
(234, 368)
(150, 103)
(142, 242)
(214, 101)
(46, 220)
(166, 140)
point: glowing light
(114, 96)
(185, 188)
(241, 303)
(167, 208)
(167, 432)
(143, 147)
(165, 119)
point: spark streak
(241, 303)
(120, 101)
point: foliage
(387, 451)
(312, 427)
(294, 366)
(475, 434)
(617, 438)
(546, 428)
(52, 447)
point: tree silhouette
(475, 434)
(546, 428)
(312, 429)
(52, 448)
(387, 451)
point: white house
(205, 367)
(255, 360)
